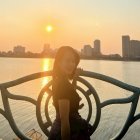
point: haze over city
(74, 23)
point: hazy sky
(75, 23)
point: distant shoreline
(106, 59)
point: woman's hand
(78, 71)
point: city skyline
(74, 23)
(130, 48)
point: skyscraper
(135, 48)
(97, 47)
(46, 49)
(126, 46)
(87, 50)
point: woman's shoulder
(61, 88)
(61, 81)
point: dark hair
(59, 54)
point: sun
(49, 28)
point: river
(113, 116)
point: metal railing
(133, 99)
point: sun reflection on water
(46, 67)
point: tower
(97, 49)
(126, 46)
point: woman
(68, 125)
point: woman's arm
(64, 107)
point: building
(135, 48)
(130, 48)
(87, 50)
(126, 46)
(19, 50)
(94, 51)
(97, 48)
(46, 49)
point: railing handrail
(89, 74)
(133, 99)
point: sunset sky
(74, 23)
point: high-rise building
(130, 48)
(46, 49)
(94, 51)
(19, 49)
(87, 50)
(135, 48)
(126, 46)
(97, 49)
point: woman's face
(67, 64)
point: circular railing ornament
(44, 125)
(90, 92)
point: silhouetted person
(68, 125)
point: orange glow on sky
(76, 23)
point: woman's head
(66, 61)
